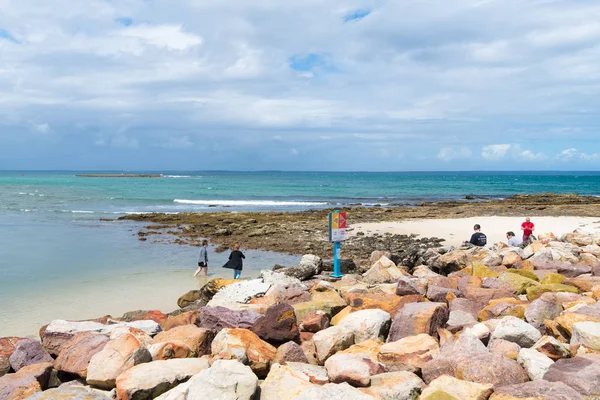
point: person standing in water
(203, 259)
(235, 261)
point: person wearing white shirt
(513, 241)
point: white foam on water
(115, 212)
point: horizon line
(289, 171)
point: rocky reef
(459, 323)
(306, 232)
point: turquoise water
(58, 258)
(63, 192)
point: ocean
(62, 255)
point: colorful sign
(337, 226)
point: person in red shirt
(527, 227)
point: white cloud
(449, 154)
(171, 37)
(491, 52)
(436, 72)
(530, 155)
(513, 151)
(247, 65)
(567, 154)
(495, 151)
(590, 157)
(566, 35)
(572, 155)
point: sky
(300, 85)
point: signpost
(337, 234)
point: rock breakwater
(460, 323)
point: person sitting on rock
(478, 238)
(513, 241)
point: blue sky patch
(4, 34)
(313, 62)
(356, 15)
(125, 21)
(306, 63)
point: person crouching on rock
(478, 238)
(203, 259)
(235, 261)
(513, 241)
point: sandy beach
(457, 230)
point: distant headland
(119, 175)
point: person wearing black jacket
(478, 238)
(235, 261)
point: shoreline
(101, 269)
(306, 231)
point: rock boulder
(245, 346)
(217, 318)
(225, 379)
(71, 392)
(119, 355)
(290, 352)
(448, 387)
(486, 368)
(582, 373)
(198, 339)
(367, 324)
(76, 354)
(7, 347)
(150, 380)
(278, 325)
(409, 353)
(416, 318)
(354, 369)
(29, 352)
(26, 382)
(516, 330)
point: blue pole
(337, 273)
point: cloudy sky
(300, 84)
